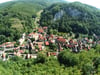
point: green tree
(41, 58)
(67, 58)
(87, 69)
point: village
(40, 41)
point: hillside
(72, 17)
(27, 48)
(18, 16)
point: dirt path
(38, 18)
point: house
(34, 35)
(52, 41)
(45, 28)
(53, 53)
(40, 45)
(21, 51)
(23, 45)
(98, 42)
(75, 42)
(46, 43)
(21, 40)
(17, 48)
(40, 30)
(23, 35)
(48, 54)
(51, 37)
(61, 40)
(71, 41)
(31, 35)
(60, 48)
(41, 38)
(8, 44)
(75, 48)
(4, 56)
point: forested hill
(17, 16)
(72, 17)
(27, 6)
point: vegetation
(18, 16)
(67, 63)
(72, 17)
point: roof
(21, 51)
(41, 38)
(40, 30)
(75, 43)
(22, 45)
(45, 27)
(40, 47)
(53, 53)
(16, 48)
(39, 43)
(32, 34)
(51, 35)
(70, 41)
(61, 40)
(86, 38)
(46, 43)
(70, 46)
(8, 44)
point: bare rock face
(58, 15)
(73, 12)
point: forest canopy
(72, 17)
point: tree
(97, 62)
(67, 58)
(87, 69)
(53, 46)
(41, 58)
(32, 39)
(77, 35)
(15, 58)
(2, 39)
(97, 49)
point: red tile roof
(40, 30)
(21, 51)
(46, 43)
(53, 53)
(40, 46)
(41, 38)
(75, 43)
(61, 40)
(45, 27)
(71, 41)
(70, 46)
(16, 48)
